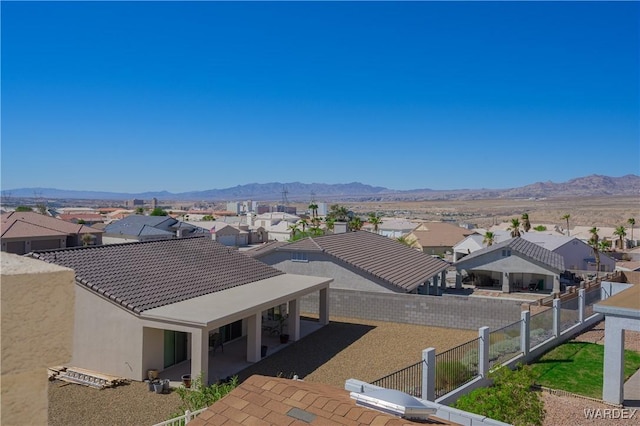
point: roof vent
(394, 402)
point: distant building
(131, 204)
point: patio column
(458, 280)
(443, 280)
(323, 309)
(293, 323)
(254, 337)
(613, 380)
(200, 354)
(556, 284)
(505, 283)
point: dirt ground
(585, 211)
(347, 348)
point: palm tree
(403, 240)
(621, 232)
(566, 217)
(514, 228)
(303, 224)
(86, 239)
(594, 242)
(526, 225)
(605, 245)
(631, 221)
(330, 223)
(375, 220)
(489, 238)
(293, 228)
(355, 224)
(314, 209)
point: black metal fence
(456, 367)
(407, 380)
(504, 343)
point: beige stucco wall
(37, 300)
(108, 338)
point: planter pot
(166, 385)
(284, 338)
(158, 387)
(152, 374)
(186, 380)
(149, 384)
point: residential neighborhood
(210, 297)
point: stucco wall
(37, 332)
(108, 338)
(494, 261)
(441, 311)
(320, 265)
(575, 252)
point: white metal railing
(182, 420)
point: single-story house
(358, 260)
(513, 265)
(392, 227)
(153, 305)
(578, 256)
(23, 232)
(437, 238)
(236, 235)
(147, 228)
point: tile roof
(440, 234)
(262, 400)
(146, 275)
(524, 247)
(380, 256)
(40, 223)
(140, 225)
(265, 248)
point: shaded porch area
(231, 358)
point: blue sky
(180, 96)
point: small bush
(451, 374)
(201, 396)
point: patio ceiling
(233, 304)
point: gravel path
(565, 410)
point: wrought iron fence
(456, 367)
(407, 380)
(541, 327)
(504, 343)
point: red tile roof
(262, 400)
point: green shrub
(200, 396)
(510, 398)
(451, 374)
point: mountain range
(592, 185)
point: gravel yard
(347, 348)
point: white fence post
(483, 352)
(556, 317)
(429, 374)
(187, 416)
(524, 333)
(581, 304)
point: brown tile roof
(141, 276)
(41, 221)
(262, 400)
(20, 229)
(440, 234)
(377, 255)
(265, 248)
(84, 216)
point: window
(298, 256)
(506, 253)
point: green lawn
(577, 367)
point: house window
(506, 253)
(298, 256)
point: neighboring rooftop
(141, 225)
(440, 234)
(526, 248)
(626, 303)
(278, 401)
(375, 254)
(31, 224)
(146, 275)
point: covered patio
(244, 305)
(231, 358)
